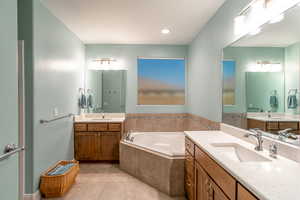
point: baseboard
(34, 196)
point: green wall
(205, 55)
(9, 97)
(243, 57)
(54, 64)
(128, 54)
(259, 87)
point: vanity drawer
(114, 127)
(189, 146)
(97, 127)
(217, 173)
(285, 125)
(80, 127)
(272, 126)
(243, 194)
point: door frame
(21, 113)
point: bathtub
(156, 158)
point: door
(9, 167)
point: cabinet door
(110, 146)
(243, 194)
(215, 193)
(189, 175)
(201, 184)
(87, 145)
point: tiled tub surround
(157, 159)
(235, 119)
(168, 122)
(277, 179)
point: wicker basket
(58, 185)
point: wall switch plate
(55, 111)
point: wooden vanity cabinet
(202, 181)
(189, 169)
(211, 181)
(87, 145)
(97, 141)
(273, 126)
(243, 194)
(206, 189)
(110, 146)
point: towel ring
(293, 90)
(274, 92)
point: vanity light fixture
(259, 12)
(239, 25)
(255, 32)
(106, 64)
(264, 66)
(277, 19)
(165, 31)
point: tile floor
(108, 182)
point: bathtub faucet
(129, 137)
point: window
(161, 81)
(228, 82)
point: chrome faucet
(129, 137)
(257, 133)
(283, 134)
(269, 114)
(273, 150)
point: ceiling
(134, 21)
(281, 34)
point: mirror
(261, 80)
(108, 90)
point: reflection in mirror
(108, 90)
(261, 80)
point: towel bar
(10, 153)
(44, 121)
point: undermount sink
(239, 153)
(275, 117)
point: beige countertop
(95, 120)
(278, 179)
(100, 117)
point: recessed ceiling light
(277, 19)
(255, 32)
(165, 31)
